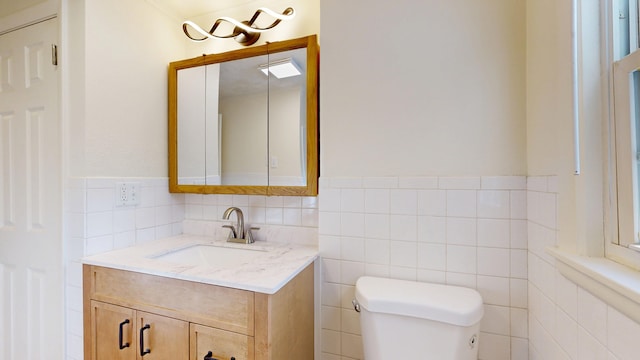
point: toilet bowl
(419, 321)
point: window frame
(621, 244)
(615, 278)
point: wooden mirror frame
(312, 151)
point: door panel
(107, 321)
(31, 281)
(166, 338)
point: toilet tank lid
(444, 303)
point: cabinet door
(112, 332)
(162, 338)
(222, 344)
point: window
(624, 63)
(613, 75)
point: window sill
(615, 284)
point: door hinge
(54, 54)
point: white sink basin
(211, 256)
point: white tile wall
(291, 219)
(565, 320)
(487, 233)
(468, 231)
(94, 224)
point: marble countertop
(271, 267)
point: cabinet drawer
(222, 344)
(216, 306)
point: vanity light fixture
(281, 68)
(245, 32)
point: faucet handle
(250, 239)
(233, 230)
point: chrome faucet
(238, 234)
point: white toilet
(417, 321)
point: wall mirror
(246, 121)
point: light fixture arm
(245, 32)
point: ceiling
(8, 7)
(242, 77)
(192, 8)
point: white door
(31, 280)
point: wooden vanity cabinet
(187, 320)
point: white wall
(549, 101)
(287, 108)
(244, 145)
(415, 88)
(126, 54)
(191, 129)
(550, 138)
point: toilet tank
(420, 321)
